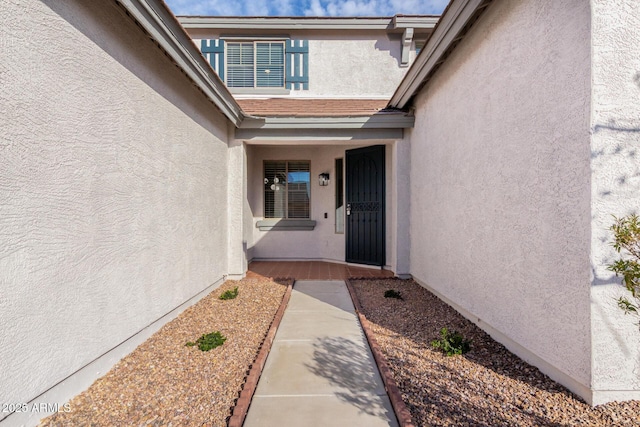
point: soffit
(292, 107)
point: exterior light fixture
(323, 179)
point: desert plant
(626, 236)
(392, 294)
(229, 294)
(208, 341)
(451, 343)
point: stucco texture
(615, 127)
(366, 66)
(500, 170)
(112, 188)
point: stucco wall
(347, 64)
(500, 172)
(615, 126)
(112, 188)
(366, 66)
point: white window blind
(287, 189)
(270, 64)
(255, 64)
(240, 66)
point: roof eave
(450, 29)
(390, 24)
(399, 120)
(163, 27)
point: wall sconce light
(323, 179)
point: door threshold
(372, 267)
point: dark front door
(365, 205)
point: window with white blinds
(240, 65)
(255, 64)
(287, 189)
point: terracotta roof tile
(296, 107)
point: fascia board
(450, 25)
(383, 121)
(415, 22)
(315, 136)
(284, 23)
(162, 26)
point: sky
(306, 7)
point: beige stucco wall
(366, 66)
(363, 64)
(112, 189)
(615, 190)
(500, 183)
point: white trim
(525, 354)
(375, 121)
(416, 22)
(451, 24)
(317, 135)
(389, 24)
(159, 22)
(251, 38)
(407, 38)
(601, 397)
(367, 266)
(80, 380)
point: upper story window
(259, 64)
(255, 64)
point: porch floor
(312, 270)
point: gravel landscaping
(163, 382)
(489, 386)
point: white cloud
(306, 7)
(374, 7)
(282, 7)
(315, 9)
(206, 7)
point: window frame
(286, 216)
(255, 42)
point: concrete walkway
(320, 371)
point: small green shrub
(208, 341)
(392, 294)
(451, 343)
(626, 236)
(229, 294)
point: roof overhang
(397, 24)
(377, 121)
(377, 126)
(417, 22)
(162, 26)
(455, 22)
(317, 136)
